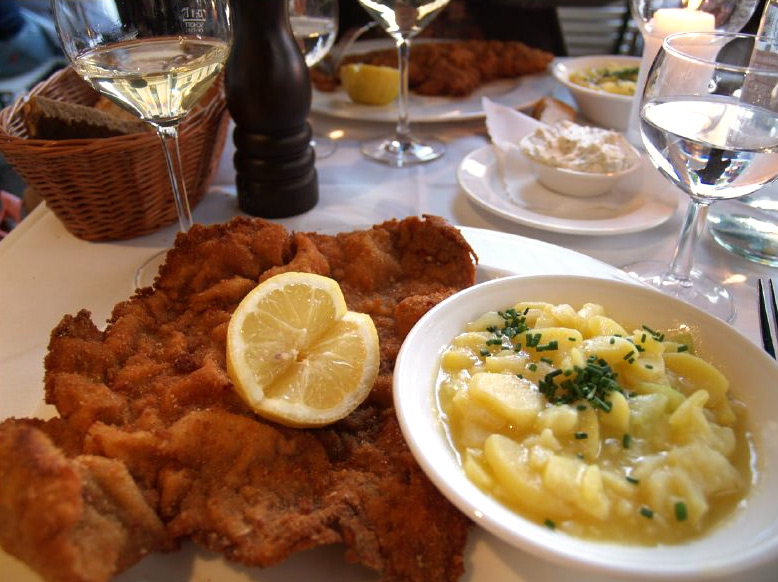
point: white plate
(747, 538)
(487, 558)
(519, 93)
(651, 205)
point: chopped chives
(572, 339)
(549, 524)
(582, 407)
(629, 355)
(494, 342)
(612, 340)
(649, 367)
(683, 348)
(548, 361)
(680, 511)
(581, 435)
(533, 367)
(643, 338)
(646, 512)
(485, 352)
(632, 480)
(550, 346)
(626, 440)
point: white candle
(671, 20)
(664, 22)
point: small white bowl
(746, 539)
(608, 110)
(579, 184)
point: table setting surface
(47, 272)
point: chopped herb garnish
(485, 352)
(592, 384)
(646, 512)
(492, 328)
(683, 348)
(515, 323)
(640, 348)
(632, 480)
(629, 355)
(680, 511)
(581, 435)
(533, 340)
(533, 367)
(550, 346)
(549, 524)
(643, 338)
(548, 361)
(581, 407)
(572, 339)
(626, 440)
(612, 340)
(660, 337)
(494, 342)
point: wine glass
(709, 122)
(314, 26)
(403, 20)
(155, 59)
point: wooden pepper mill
(269, 97)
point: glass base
(698, 290)
(323, 146)
(147, 272)
(747, 228)
(398, 153)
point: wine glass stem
(403, 58)
(169, 137)
(683, 259)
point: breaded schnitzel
(153, 446)
(454, 68)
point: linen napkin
(506, 127)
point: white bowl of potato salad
(597, 423)
(603, 86)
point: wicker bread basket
(116, 187)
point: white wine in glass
(403, 20)
(155, 59)
(708, 123)
(314, 26)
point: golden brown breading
(453, 69)
(148, 403)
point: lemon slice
(370, 84)
(296, 355)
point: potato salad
(579, 424)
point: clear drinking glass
(155, 59)
(708, 122)
(315, 26)
(403, 20)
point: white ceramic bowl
(608, 110)
(579, 184)
(748, 538)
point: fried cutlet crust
(453, 69)
(147, 401)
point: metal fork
(768, 315)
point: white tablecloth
(46, 272)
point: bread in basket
(112, 188)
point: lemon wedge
(296, 355)
(370, 84)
